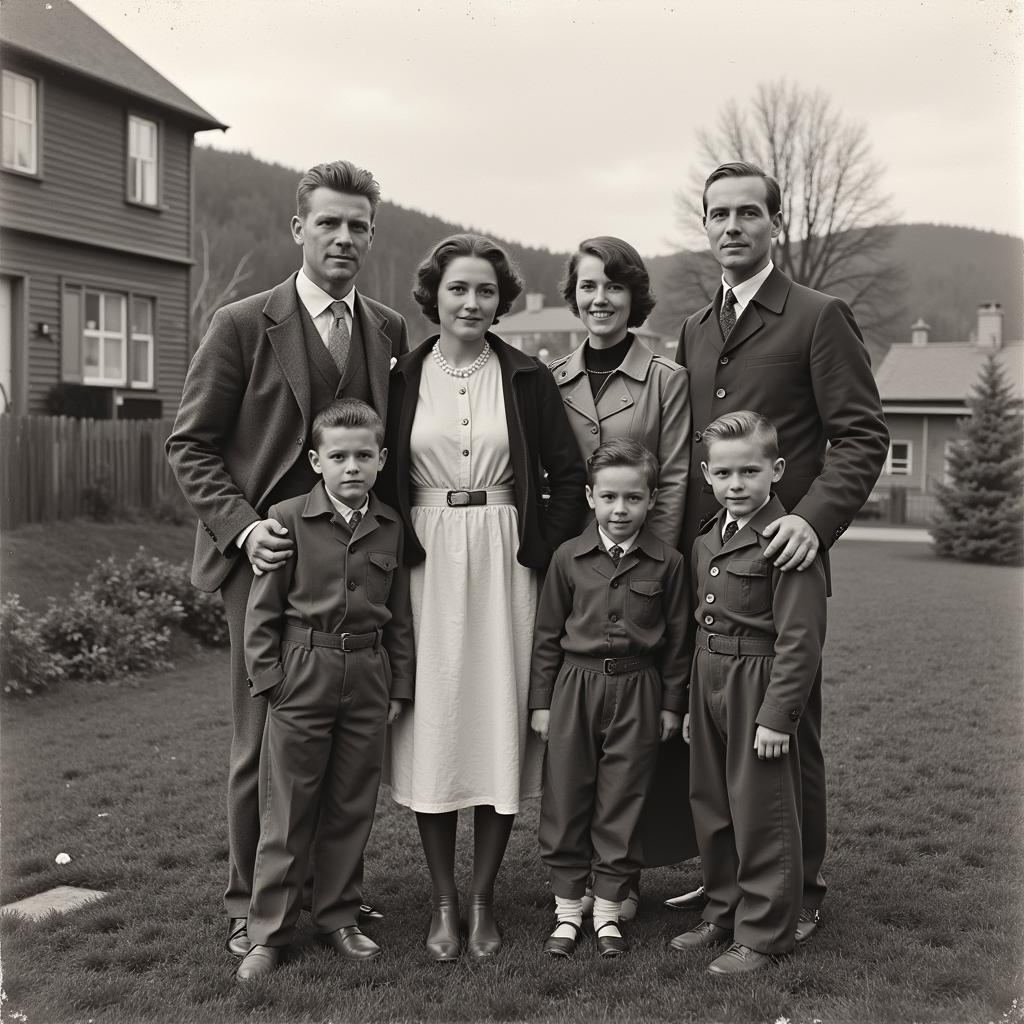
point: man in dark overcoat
(267, 364)
(796, 356)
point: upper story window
(21, 123)
(143, 143)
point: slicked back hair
(739, 169)
(735, 426)
(623, 451)
(339, 176)
(347, 412)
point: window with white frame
(141, 342)
(900, 460)
(142, 160)
(104, 338)
(20, 123)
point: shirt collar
(316, 300)
(746, 290)
(740, 523)
(344, 511)
(608, 543)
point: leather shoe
(611, 945)
(739, 959)
(368, 912)
(557, 945)
(483, 938)
(807, 924)
(238, 941)
(351, 943)
(258, 963)
(443, 942)
(697, 900)
(700, 936)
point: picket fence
(57, 467)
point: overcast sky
(545, 121)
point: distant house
(924, 386)
(554, 331)
(96, 218)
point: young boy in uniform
(607, 683)
(760, 633)
(328, 643)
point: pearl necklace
(461, 371)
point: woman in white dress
(472, 424)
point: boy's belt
(461, 498)
(310, 637)
(611, 666)
(740, 646)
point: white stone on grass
(61, 899)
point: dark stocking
(437, 834)
(490, 837)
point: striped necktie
(730, 531)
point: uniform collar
(636, 364)
(319, 503)
(590, 540)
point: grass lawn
(924, 921)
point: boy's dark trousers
(321, 764)
(603, 740)
(746, 811)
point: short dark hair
(347, 412)
(339, 176)
(740, 169)
(735, 426)
(623, 265)
(623, 451)
(432, 267)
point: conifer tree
(982, 508)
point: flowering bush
(24, 668)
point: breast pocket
(379, 573)
(748, 586)
(644, 602)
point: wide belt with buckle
(738, 646)
(309, 637)
(463, 498)
(611, 666)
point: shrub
(22, 668)
(98, 497)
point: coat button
(714, 570)
(794, 715)
(299, 442)
(625, 398)
(724, 360)
(696, 437)
(352, 584)
(594, 430)
(708, 620)
(462, 391)
(562, 374)
(465, 451)
(720, 393)
(613, 617)
(614, 584)
(465, 423)
(710, 598)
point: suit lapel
(377, 346)
(289, 345)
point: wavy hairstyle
(623, 265)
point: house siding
(81, 191)
(48, 264)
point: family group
(481, 579)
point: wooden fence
(56, 467)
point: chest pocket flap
(379, 574)
(645, 601)
(748, 585)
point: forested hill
(245, 205)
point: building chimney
(534, 302)
(990, 325)
(919, 332)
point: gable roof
(944, 371)
(58, 32)
(552, 319)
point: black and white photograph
(512, 511)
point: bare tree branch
(216, 286)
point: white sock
(605, 912)
(567, 912)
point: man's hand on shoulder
(794, 541)
(267, 546)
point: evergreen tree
(982, 508)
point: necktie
(730, 531)
(354, 520)
(616, 552)
(338, 338)
(727, 317)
